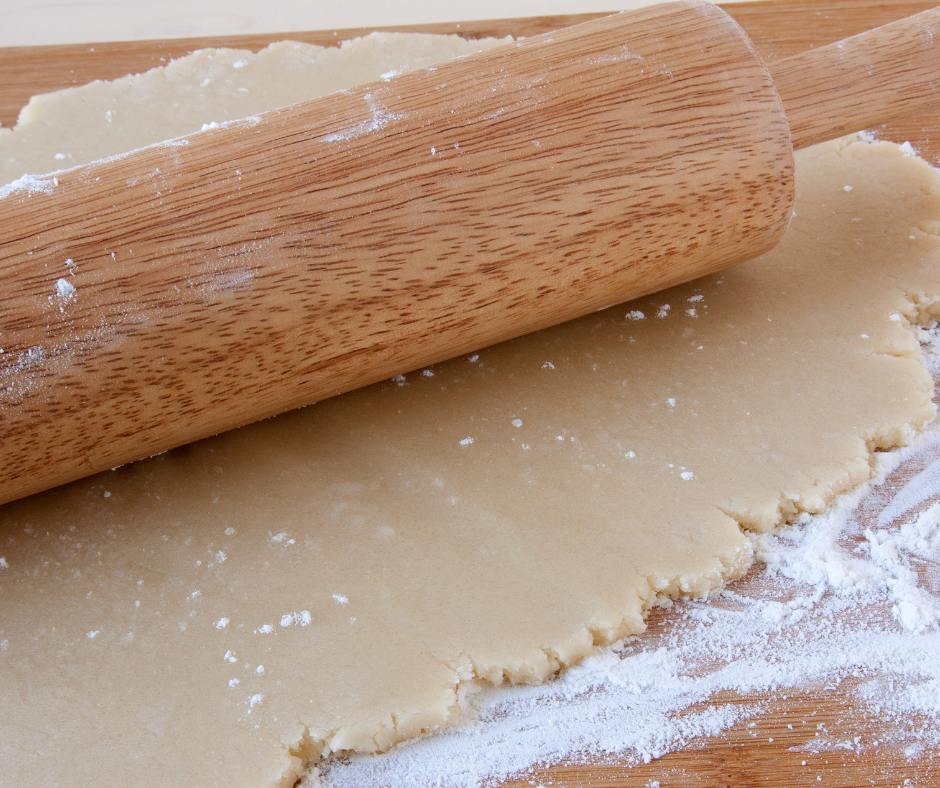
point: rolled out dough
(228, 612)
(101, 119)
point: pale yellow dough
(228, 612)
(72, 127)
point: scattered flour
(301, 619)
(839, 600)
(29, 184)
(378, 120)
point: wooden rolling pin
(238, 273)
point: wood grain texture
(331, 244)
(789, 27)
(742, 756)
(815, 735)
(870, 78)
(745, 756)
(30, 70)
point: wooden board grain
(742, 756)
(775, 748)
(26, 71)
(780, 28)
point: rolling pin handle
(863, 81)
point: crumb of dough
(380, 550)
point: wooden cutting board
(772, 752)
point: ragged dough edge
(304, 747)
(921, 310)
(314, 70)
(791, 505)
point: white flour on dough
(230, 612)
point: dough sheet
(231, 611)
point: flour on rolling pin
(214, 269)
(210, 87)
(334, 579)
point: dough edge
(303, 747)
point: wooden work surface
(772, 752)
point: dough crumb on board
(371, 555)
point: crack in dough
(613, 462)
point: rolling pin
(237, 273)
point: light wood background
(742, 756)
